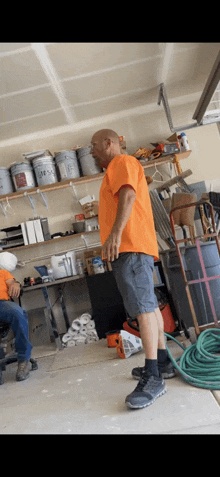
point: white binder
(38, 230)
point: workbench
(106, 301)
(44, 287)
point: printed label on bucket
(45, 172)
(20, 179)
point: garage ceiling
(48, 85)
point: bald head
(107, 134)
(105, 146)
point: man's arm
(111, 246)
(13, 287)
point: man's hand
(14, 290)
(111, 246)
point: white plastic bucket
(22, 176)
(87, 162)
(6, 186)
(67, 164)
(45, 172)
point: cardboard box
(89, 210)
(89, 255)
(173, 138)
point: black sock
(151, 366)
(162, 356)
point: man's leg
(151, 384)
(165, 366)
(148, 327)
(151, 327)
(160, 324)
(13, 314)
(134, 277)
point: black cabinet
(107, 305)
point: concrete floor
(82, 391)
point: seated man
(14, 315)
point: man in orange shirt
(129, 241)
(13, 314)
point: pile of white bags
(82, 331)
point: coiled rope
(199, 365)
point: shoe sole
(164, 376)
(141, 406)
(168, 376)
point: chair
(4, 361)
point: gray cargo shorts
(133, 273)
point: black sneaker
(146, 392)
(166, 370)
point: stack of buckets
(41, 168)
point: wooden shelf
(55, 186)
(81, 180)
(164, 159)
(86, 179)
(54, 282)
(47, 241)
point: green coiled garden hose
(199, 365)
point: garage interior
(54, 97)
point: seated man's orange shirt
(139, 233)
(4, 275)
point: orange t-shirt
(139, 233)
(4, 275)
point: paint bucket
(45, 172)
(87, 162)
(67, 164)
(22, 176)
(6, 186)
